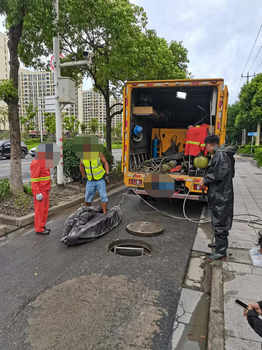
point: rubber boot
(221, 249)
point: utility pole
(40, 117)
(57, 75)
(248, 76)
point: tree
(20, 15)
(83, 127)
(4, 116)
(9, 94)
(27, 121)
(115, 32)
(250, 105)
(50, 124)
(94, 126)
(233, 131)
(118, 131)
(71, 125)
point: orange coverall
(41, 183)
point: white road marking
(9, 164)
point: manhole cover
(144, 229)
(130, 247)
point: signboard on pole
(51, 61)
(253, 134)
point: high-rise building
(4, 64)
(38, 88)
(94, 107)
(4, 74)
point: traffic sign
(51, 61)
(253, 134)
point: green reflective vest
(94, 169)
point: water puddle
(193, 335)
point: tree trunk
(16, 184)
(259, 134)
(108, 119)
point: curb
(216, 313)
(215, 336)
(2, 230)
(28, 219)
(254, 162)
(247, 155)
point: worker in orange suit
(47, 156)
(41, 185)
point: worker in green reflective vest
(97, 176)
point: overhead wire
(252, 48)
(248, 60)
(258, 67)
(255, 58)
(238, 87)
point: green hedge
(258, 156)
(71, 162)
(5, 190)
(33, 141)
(247, 149)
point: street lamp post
(57, 75)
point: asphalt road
(5, 165)
(87, 298)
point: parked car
(5, 149)
(32, 151)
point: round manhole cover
(144, 228)
(130, 247)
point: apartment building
(94, 107)
(4, 64)
(38, 88)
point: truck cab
(157, 117)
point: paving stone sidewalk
(241, 279)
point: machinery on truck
(164, 125)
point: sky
(218, 34)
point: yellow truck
(157, 116)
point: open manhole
(130, 247)
(144, 229)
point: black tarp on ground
(89, 223)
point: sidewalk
(241, 279)
(214, 297)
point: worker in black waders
(218, 178)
